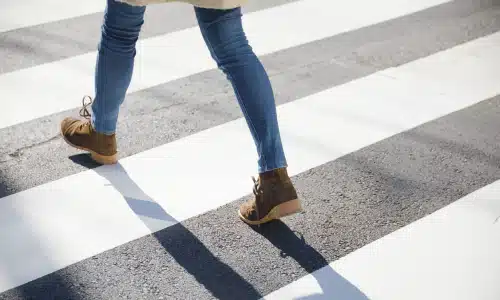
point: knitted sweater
(216, 4)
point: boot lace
(257, 191)
(84, 112)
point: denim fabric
(224, 36)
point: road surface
(390, 115)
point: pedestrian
(222, 30)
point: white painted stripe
(59, 86)
(17, 14)
(56, 224)
(452, 254)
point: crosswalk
(389, 112)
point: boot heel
(104, 160)
(287, 208)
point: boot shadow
(292, 244)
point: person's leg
(115, 62)
(224, 36)
(226, 40)
(114, 67)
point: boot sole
(280, 211)
(99, 158)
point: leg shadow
(217, 277)
(332, 284)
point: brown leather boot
(275, 197)
(81, 135)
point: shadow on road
(293, 245)
(189, 252)
(216, 276)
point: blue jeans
(224, 36)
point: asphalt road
(350, 201)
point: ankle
(279, 173)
